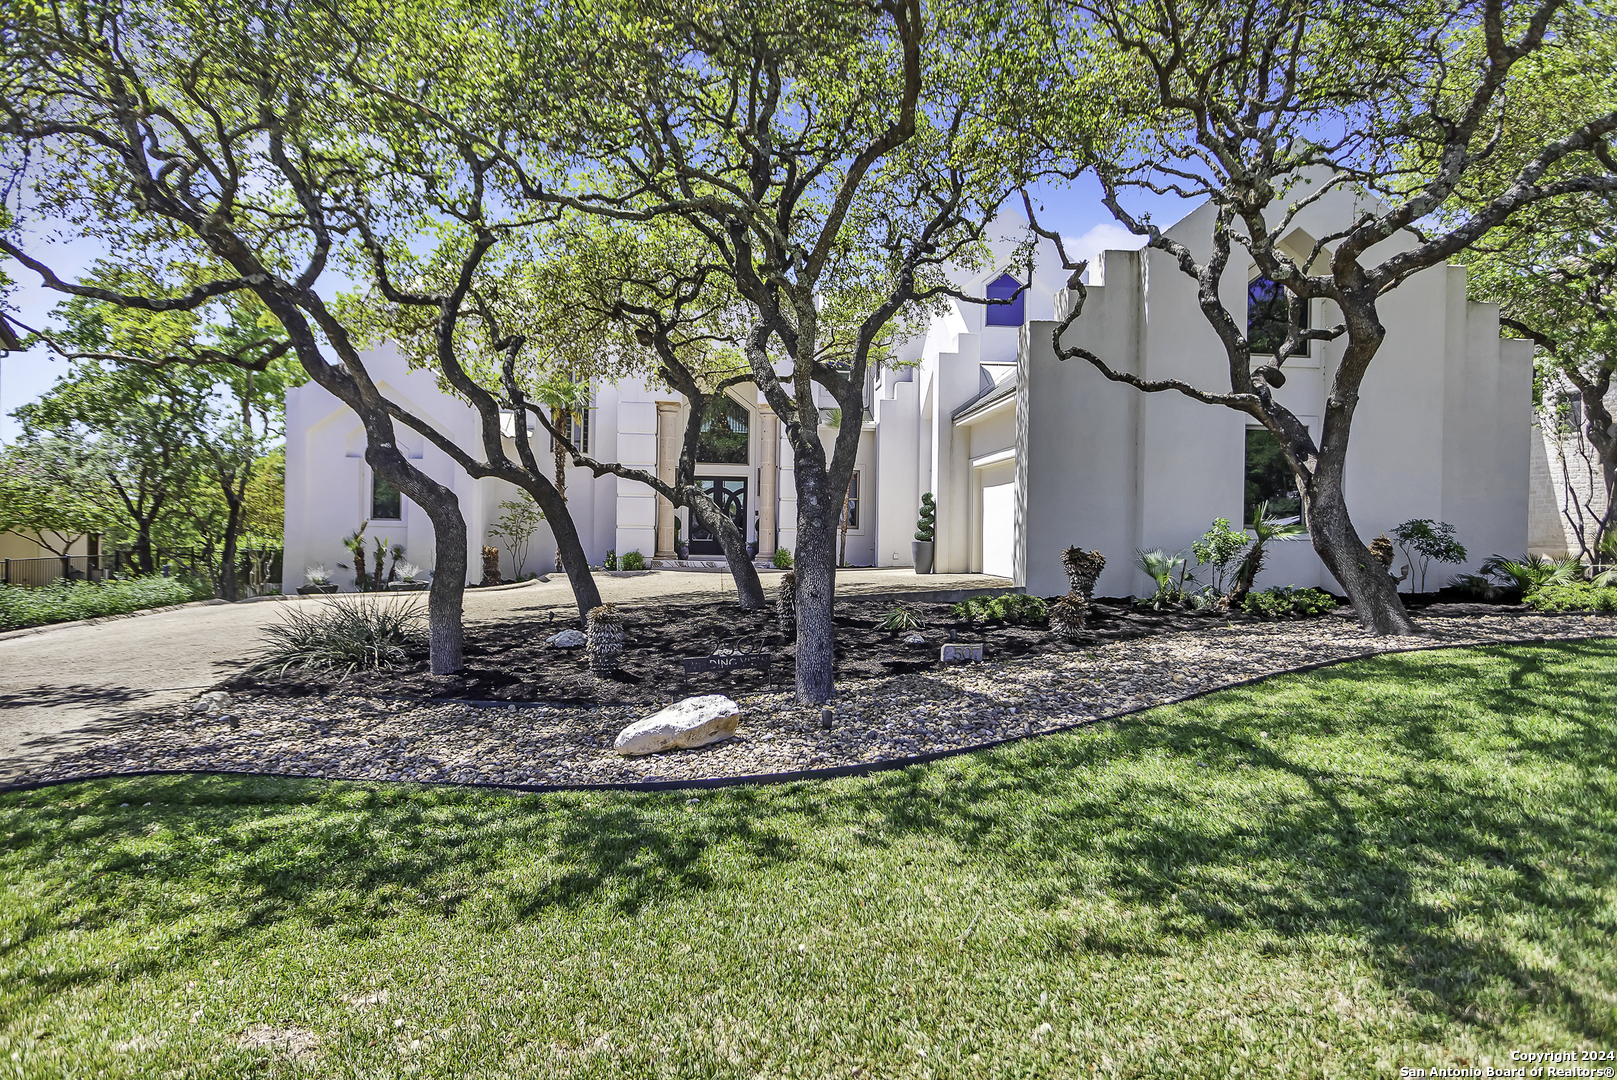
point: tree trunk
(749, 590)
(570, 554)
(1373, 591)
(228, 589)
(144, 557)
(815, 565)
(559, 417)
(445, 597)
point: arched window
(1003, 288)
(724, 432)
(1268, 315)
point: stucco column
(667, 459)
(768, 442)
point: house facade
(1025, 454)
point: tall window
(1003, 288)
(1268, 315)
(853, 503)
(386, 503)
(1268, 478)
(724, 433)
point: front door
(730, 493)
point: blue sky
(1075, 211)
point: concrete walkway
(63, 688)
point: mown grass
(64, 600)
(1405, 861)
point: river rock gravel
(872, 720)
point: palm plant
(1265, 529)
(1159, 567)
(1533, 572)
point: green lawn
(1405, 861)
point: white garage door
(999, 527)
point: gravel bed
(874, 720)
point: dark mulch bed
(509, 661)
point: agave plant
(900, 618)
(346, 634)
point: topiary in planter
(604, 640)
(1381, 548)
(926, 523)
(1067, 616)
(1083, 570)
(786, 605)
(491, 566)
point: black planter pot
(409, 586)
(316, 590)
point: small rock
(567, 639)
(696, 721)
(915, 639)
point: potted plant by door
(926, 526)
(319, 581)
(409, 579)
(681, 548)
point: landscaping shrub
(65, 601)
(632, 560)
(1283, 603)
(1579, 596)
(1015, 609)
(900, 618)
(782, 559)
(346, 634)
(610, 561)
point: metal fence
(35, 573)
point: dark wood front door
(730, 493)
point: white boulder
(568, 639)
(696, 721)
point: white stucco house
(1026, 455)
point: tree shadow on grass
(1337, 803)
(1357, 834)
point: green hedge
(1281, 603)
(66, 600)
(1014, 608)
(1581, 596)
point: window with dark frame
(1269, 478)
(1268, 316)
(1003, 288)
(853, 503)
(386, 502)
(724, 432)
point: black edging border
(863, 768)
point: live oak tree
(1262, 108)
(658, 294)
(48, 491)
(1552, 267)
(823, 150)
(210, 139)
(131, 435)
(233, 374)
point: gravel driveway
(64, 689)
